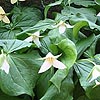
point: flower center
(2, 15)
(34, 37)
(50, 59)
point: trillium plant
(49, 49)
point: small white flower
(3, 16)
(98, 14)
(95, 73)
(35, 38)
(14, 1)
(51, 60)
(62, 26)
(4, 66)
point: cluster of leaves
(79, 46)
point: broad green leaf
(83, 44)
(83, 14)
(80, 17)
(7, 33)
(51, 5)
(83, 69)
(41, 25)
(91, 51)
(43, 83)
(65, 93)
(69, 52)
(25, 17)
(77, 28)
(22, 18)
(23, 74)
(58, 78)
(13, 45)
(84, 3)
(86, 13)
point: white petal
(29, 39)
(97, 83)
(37, 42)
(60, 23)
(37, 33)
(95, 74)
(49, 55)
(21, 0)
(46, 65)
(5, 66)
(57, 56)
(13, 1)
(62, 29)
(69, 26)
(98, 14)
(58, 64)
(1, 10)
(6, 20)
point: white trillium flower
(95, 73)
(4, 66)
(51, 60)
(62, 26)
(3, 16)
(14, 1)
(35, 38)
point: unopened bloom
(62, 26)
(51, 60)
(14, 1)
(3, 16)
(4, 66)
(95, 73)
(35, 38)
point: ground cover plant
(50, 50)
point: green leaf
(65, 93)
(83, 69)
(51, 5)
(8, 33)
(41, 25)
(25, 17)
(43, 83)
(86, 13)
(83, 44)
(58, 78)
(23, 74)
(84, 3)
(69, 52)
(77, 27)
(13, 45)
